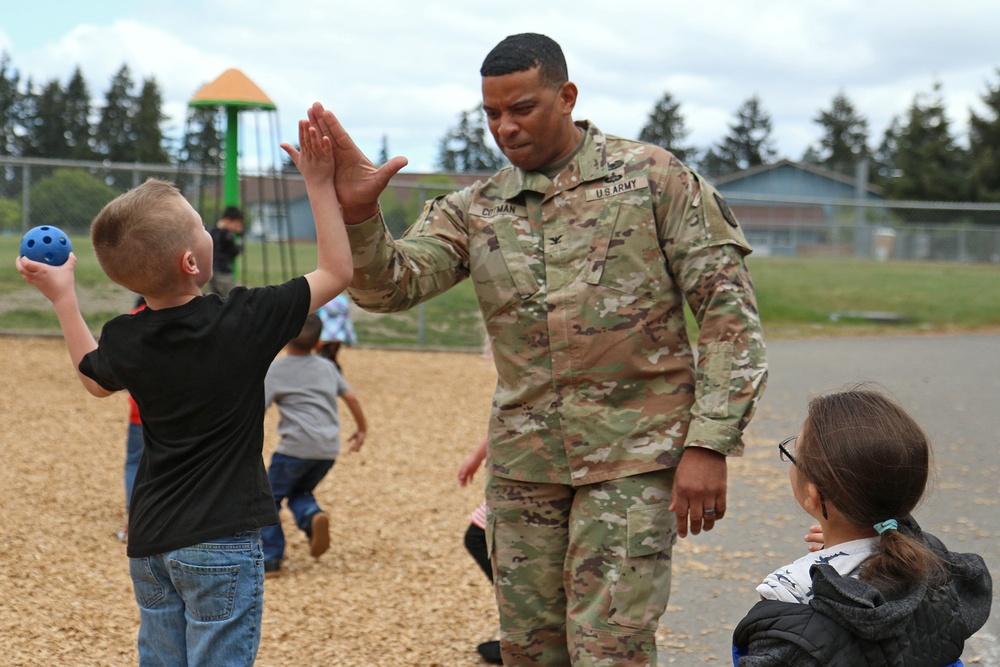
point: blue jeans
(292, 478)
(201, 605)
(133, 452)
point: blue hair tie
(888, 524)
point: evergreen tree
(148, 125)
(204, 141)
(931, 165)
(811, 156)
(711, 165)
(749, 141)
(883, 161)
(116, 134)
(665, 128)
(10, 106)
(78, 127)
(46, 129)
(464, 148)
(845, 136)
(984, 141)
(383, 153)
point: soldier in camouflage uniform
(608, 435)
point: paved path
(951, 384)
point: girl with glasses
(879, 591)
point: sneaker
(319, 535)
(490, 652)
(272, 569)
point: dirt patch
(396, 588)
(108, 298)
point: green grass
(796, 296)
(797, 292)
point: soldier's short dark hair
(232, 213)
(518, 53)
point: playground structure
(232, 158)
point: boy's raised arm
(56, 283)
(334, 267)
(359, 183)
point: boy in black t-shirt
(195, 366)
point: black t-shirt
(197, 374)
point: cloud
(405, 70)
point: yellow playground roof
(231, 88)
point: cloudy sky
(406, 68)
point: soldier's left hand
(699, 495)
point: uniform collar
(590, 163)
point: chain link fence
(68, 194)
(865, 228)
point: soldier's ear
(567, 97)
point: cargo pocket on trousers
(640, 595)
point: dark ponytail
(871, 460)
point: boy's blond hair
(138, 237)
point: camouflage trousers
(582, 574)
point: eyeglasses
(787, 456)
(783, 450)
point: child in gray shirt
(305, 387)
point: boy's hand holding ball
(46, 244)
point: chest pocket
(499, 267)
(625, 253)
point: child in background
(133, 444)
(338, 330)
(305, 388)
(195, 366)
(475, 540)
(879, 591)
(226, 247)
(133, 452)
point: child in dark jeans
(195, 366)
(305, 387)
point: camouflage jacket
(582, 282)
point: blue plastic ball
(46, 244)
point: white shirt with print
(792, 583)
